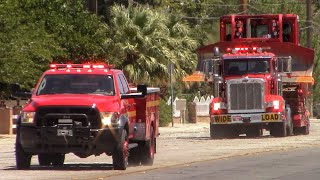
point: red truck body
(88, 109)
(249, 100)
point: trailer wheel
(120, 155)
(148, 150)
(44, 159)
(23, 159)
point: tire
(23, 159)
(57, 159)
(148, 150)
(216, 132)
(134, 158)
(278, 129)
(44, 159)
(120, 155)
(253, 132)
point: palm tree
(145, 42)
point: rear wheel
(58, 159)
(120, 155)
(44, 159)
(134, 158)
(148, 150)
(48, 159)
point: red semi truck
(87, 109)
(261, 77)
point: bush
(165, 113)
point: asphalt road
(296, 164)
(178, 148)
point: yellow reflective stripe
(132, 113)
(152, 103)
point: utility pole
(309, 23)
(309, 44)
(243, 6)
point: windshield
(246, 66)
(76, 84)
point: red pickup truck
(88, 109)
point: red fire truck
(261, 77)
(88, 109)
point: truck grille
(246, 95)
(49, 116)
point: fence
(202, 106)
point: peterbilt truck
(260, 75)
(87, 109)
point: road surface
(297, 164)
(179, 145)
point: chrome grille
(245, 95)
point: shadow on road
(69, 167)
(239, 137)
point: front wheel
(23, 159)
(120, 155)
(278, 129)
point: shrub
(165, 113)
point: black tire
(23, 159)
(253, 132)
(278, 129)
(148, 150)
(44, 159)
(57, 159)
(134, 158)
(216, 132)
(120, 155)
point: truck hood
(103, 103)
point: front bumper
(79, 140)
(260, 118)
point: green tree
(145, 42)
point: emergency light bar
(79, 66)
(244, 50)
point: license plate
(270, 117)
(64, 132)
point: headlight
(27, 117)
(216, 106)
(109, 118)
(276, 104)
